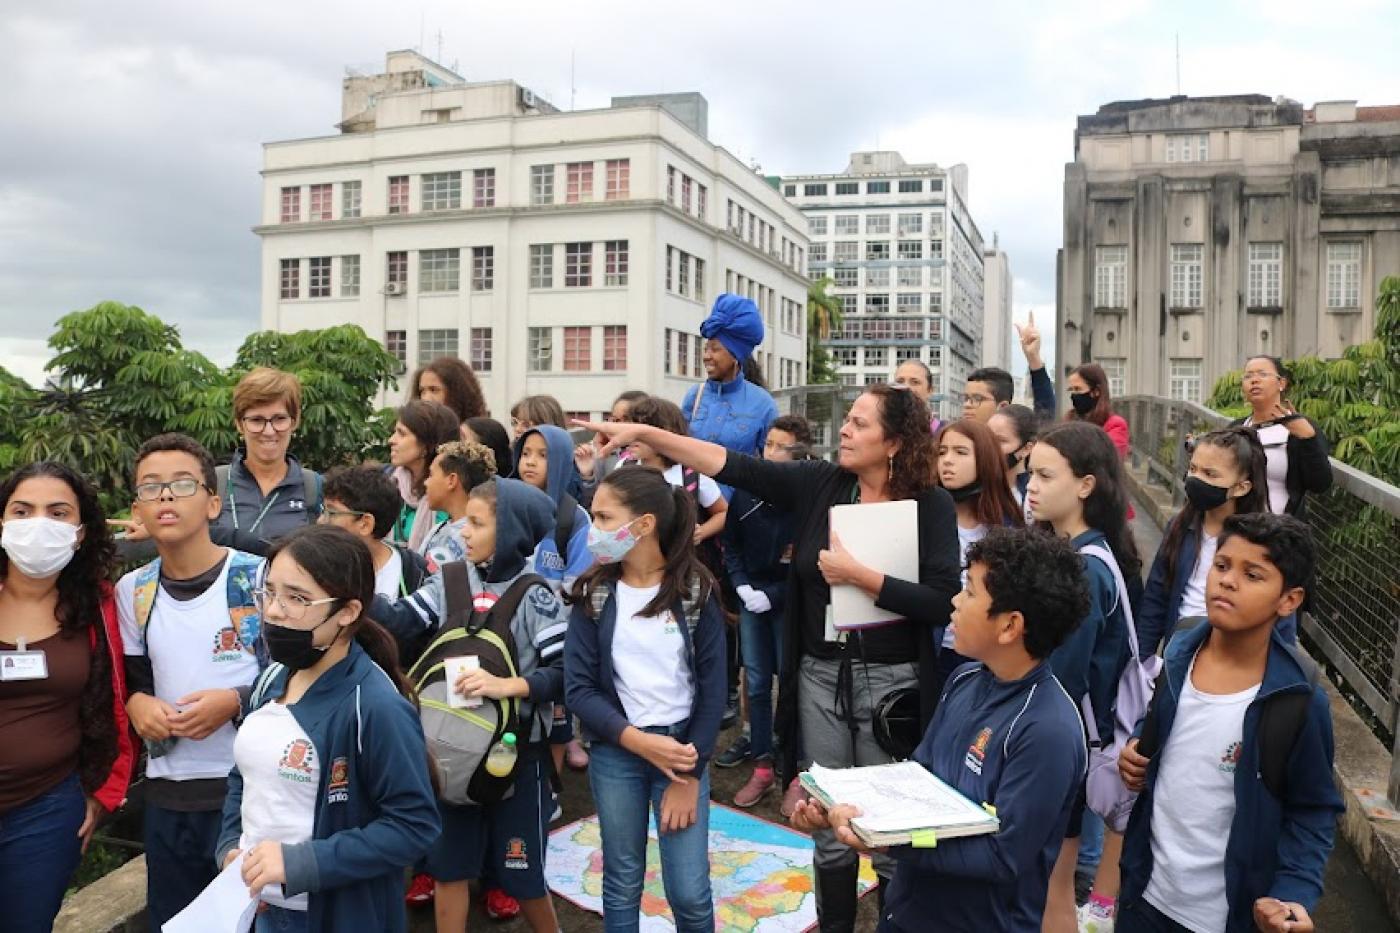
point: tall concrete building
(906, 260)
(998, 335)
(573, 254)
(1200, 230)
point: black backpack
(460, 739)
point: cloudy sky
(130, 133)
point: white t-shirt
(708, 490)
(1274, 439)
(192, 646)
(281, 780)
(1193, 806)
(966, 538)
(650, 670)
(1193, 598)
(388, 580)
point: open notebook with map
(900, 804)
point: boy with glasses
(190, 631)
(365, 502)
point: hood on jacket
(524, 516)
(559, 472)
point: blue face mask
(609, 547)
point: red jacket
(113, 790)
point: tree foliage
(823, 318)
(120, 375)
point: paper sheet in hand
(454, 668)
(223, 907)
(898, 800)
(883, 536)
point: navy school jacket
(1019, 747)
(376, 813)
(756, 536)
(1276, 848)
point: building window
(541, 350)
(321, 200)
(935, 249)
(699, 280)
(484, 187)
(615, 262)
(911, 224)
(848, 187)
(847, 251)
(483, 268)
(910, 302)
(1113, 368)
(877, 187)
(683, 354)
(685, 193)
(935, 184)
(1188, 147)
(1185, 380)
(349, 276)
(1344, 275)
(877, 356)
(905, 354)
(398, 194)
(910, 277)
(877, 278)
(846, 278)
(671, 185)
(481, 349)
(290, 278)
(439, 270)
(817, 225)
(578, 265)
(578, 349)
(541, 184)
(1110, 277)
(814, 190)
(818, 252)
(935, 302)
(619, 179)
(911, 186)
(877, 304)
(877, 224)
(578, 182)
(683, 274)
(909, 330)
(615, 347)
(396, 344)
(541, 265)
(877, 250)
(1186, 275)
(670, 267)
(911, 249)
(789, 191)
(396, 269)
(1265, 275)
(350, 199)
(846, 356)
(848, 225)
(435, 343)
(667, 366)
(442, 191)
(702, 200)
(291, 205)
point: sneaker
(731, 713)
(760, 783)
(574, 755)
(420, 891)
(558, 812)
(791, 797)
(1093, 918)
(501, 906)
(738, 752)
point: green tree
(1353, 398)
(823, 317)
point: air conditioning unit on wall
(395, 289)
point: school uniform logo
(1231, 759)
(227, 645)
(296, 505)
(338, 787)
(516, 857)
(298, 760)
(669, 625)
(977, 751)
(543, 600)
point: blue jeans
(179, 859)
(1090, 842)
(626, 789)
(39, 851)
(280, 920)
(761, 640)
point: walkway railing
(1354, 613)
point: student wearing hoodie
(1211, 845)
(330, 797)
(1005, 735)
(506, 518)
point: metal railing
(1353, 617)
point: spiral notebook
(900, 804)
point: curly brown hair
(904, 418)
(464, 395)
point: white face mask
(39, 547)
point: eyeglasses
(975, 399)
(328, 514)
(258, 424)
(293, 605)
(1260, 374)
(179, 489)
(517, 425)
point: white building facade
(907, 263)
(998, 334)
(570, 254)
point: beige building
(573, 254)
(998, 335)
(1201, 230)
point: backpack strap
(565, 521)
(1280, 724)
(503, 610)
(1106, 557)
(690, 482)
(221, 473)
(240, 581)
(1149, 737)
(457, 595)
(693, 605)
(144, 596)
(261, 684)
(312, 486)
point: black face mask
(970, 491)
(292, 647)
(1083, 402)
(1205, 496)
(1013, 460)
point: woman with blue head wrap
(727, 409)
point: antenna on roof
(439, 51)
(573, 85)
(1178, 64)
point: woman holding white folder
(832, 680)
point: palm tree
(823, 318)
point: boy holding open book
(1006, 735)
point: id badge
(23, 665)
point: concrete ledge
(1155, 502)
(114, 903)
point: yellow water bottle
(500, 761)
